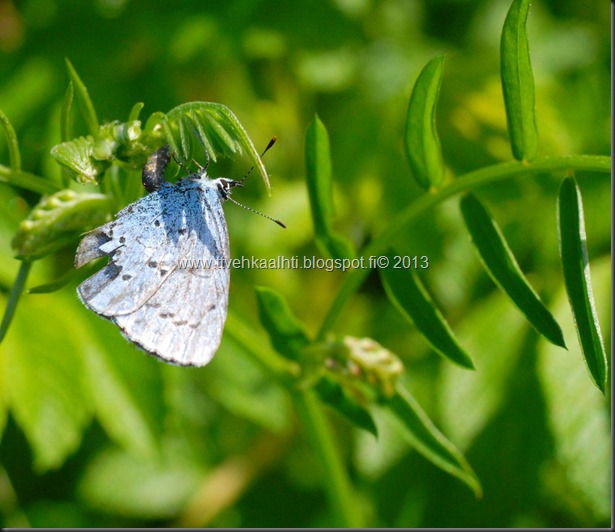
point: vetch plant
(354, 376)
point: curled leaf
(573, 251)
(287, 334)
(407, 293)
(215, 127)
(504, 270)
(56, 220)
(421, 140)
(319, 183)
(518, 83)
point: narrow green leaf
(13, 145)
(500, 262)
(333, 394)
(215, 127)
(319, 183)
(518, 83)
(405, 291)
(65, 112)
(421, 139)
(56, 220)
(573, 251)
(428, 440)
(83, 98)
(287, 334)
(579, 416)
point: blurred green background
(95, 434)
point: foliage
(324, 418)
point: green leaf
(518, 83)
(333, 394)
(65, 112)
(78, 155)
(469, 400)
(215, 127)
(125, 386)
(128, 486)
(405, 291)
(13, 145)
(44, 371)
(428, 440)
(319, 183)
(287, 334)
(135, 111)
(573, 251)
(250, 393)
(421, 140)
(579, 416)
(56, 220)
(499, 261)
(83, 99)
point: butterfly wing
(166, 284)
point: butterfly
(171, 311)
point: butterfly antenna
(271, 143)
(255, 211)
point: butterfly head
(225, 186)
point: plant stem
(465, 183)
(16, 292)
(338, 487)
(27, 180)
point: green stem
(338, 488)
(27, 180)
(16, 292)
(465, 183)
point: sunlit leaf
(78, 155)
(469, 400)
(573, 251)
(44, 372)
(125, 386)
(132, 486)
